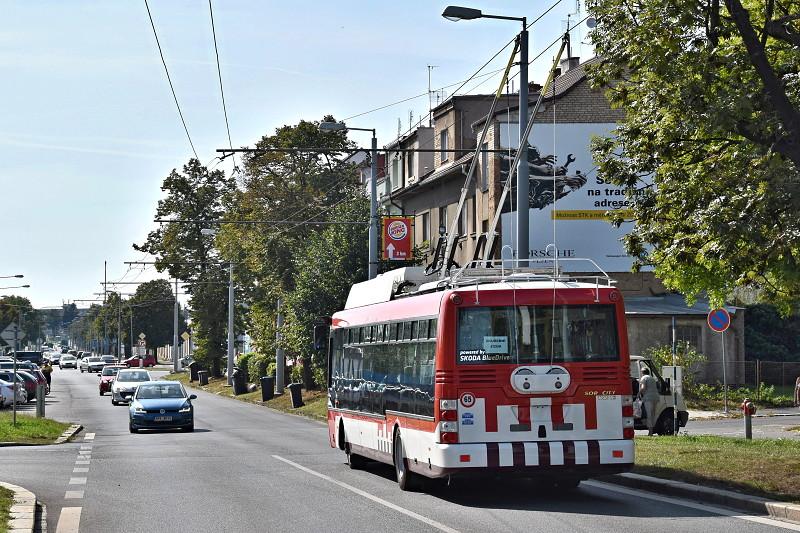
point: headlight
(185, 409)
(139, 410)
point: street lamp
(372, 269)
(14, 276)
(17, 287)
(209, 231)
(456, 13)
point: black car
(33, 357)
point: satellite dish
(591, 22)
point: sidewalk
(23, 511)
(735, 412)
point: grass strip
(316, 402)
(29, 429)
(769, 468)
(6, 500)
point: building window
(426, 226)
(395, 173)
(462, 219)
(484, 167)
(443, 145)
(410, 160)
(443, 219)
(690, 334)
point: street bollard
(748, 409)
(41, 391)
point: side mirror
(193, 396)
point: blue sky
(88, 128)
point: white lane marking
(80, 470)
(692, 505)
(69, 520)
(89, 436)
(77, 481)
(85, 452)
(73, 495)
(79, 462)
(412, 514)
(86, 446)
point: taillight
(448, 425)
(627, 417)
(627, 433)
(627, 410)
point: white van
(668, 398)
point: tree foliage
(18, 309)
(770, 337)
(153, 308)
(711, 93)
(195, 194)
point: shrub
(685, 356)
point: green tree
(153, 311)
(195, 194)
(710, 90)
(14, 308)
(685, 356)
(769, 336)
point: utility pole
(105, 294)
(16, 377)
(230, 324)
(523, 183)
(175, 332)
(119, 330)
(280, 358)
(373, 209)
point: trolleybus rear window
(537, 334)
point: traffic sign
(719, 320)
(8, 334)
(396, 238)
(142, 336)
(185, 336)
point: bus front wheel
(406, 479)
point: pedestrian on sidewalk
(797, 392)
(648, 392)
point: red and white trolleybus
(494, 371)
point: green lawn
(6, 499)
(316, 402)
(29, 429)
(764, 467)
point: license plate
(163, 419)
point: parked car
(33, 357)
(107, 377)
(25, 379)
(7, 389)
(161, 405)
(141, 361)
(125, 384)
(68, 361)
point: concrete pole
(119, 329)
(280, 358)
(230, 324)
(373, 210)
(16, 378)
(175, 331)
(522, 167)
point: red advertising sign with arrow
(396, 239)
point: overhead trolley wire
(169, 79)
(219, 75)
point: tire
(189, 429)
(666, 423)
(102, 393)
(406, 479)
(132, 428)
(568, 483)
(114, 402)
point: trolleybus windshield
(537, 334)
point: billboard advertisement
(568, 201)
(396, 239)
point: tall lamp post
(373, 192)
(208, 231)
(456, 13)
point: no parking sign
(719, 320)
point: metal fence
(779, 374)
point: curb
(68, 433)
(23, 510)
(743, 502)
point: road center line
(412, 514)
(89, 436)
(80, 470)
(69, 520)
(77, 481)
(699, 506)
(73, 495)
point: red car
(141, 361)
(107, 377)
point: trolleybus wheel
(406, 479)
(354, 461)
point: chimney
(534, 87)
(569, 63)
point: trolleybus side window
(384, 375)
(537, 334)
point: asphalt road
(247, 468)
